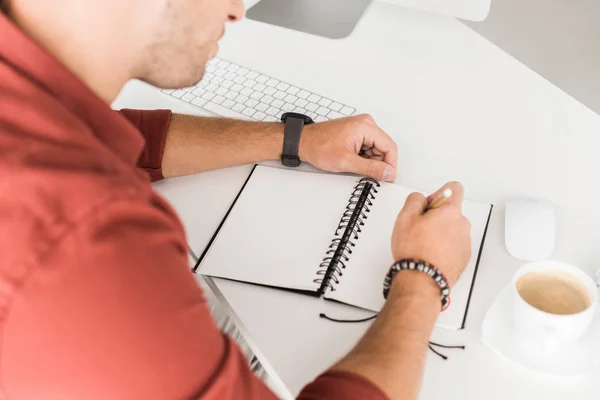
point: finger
(381, 143)
(415, 204)
(375, 169)
(458, 193)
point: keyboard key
(301, 102)
(335, 115)
(208, 96)
(220, 73)
(250, 83)
(325, 102)
(272, 111)
(248, 112)
(242, 71)
(267, 99)
(178, 93)
(279, 95)
(260, 87)
(312, 115)
(312, 107)
(277, 103)
(272, 82)
(199, 92)
(283, 86)
(212, 87)
(232, 68)
(189, 88)
(252, 75)
(303, 94)
(223, 64)
(230, 76)
(323, 111)
(320, 119)
(231, 94)
(300, 110)
(287, 107)
(314, 98)
(335, 106)
(211, 68)
(202, 84)
(198, 102)
(246, 91)
(347, 111)
(241, 99)
(217, 80)
(238, 107)
(259, 115)
(256, 95)
(207, 77)
(293, 90)
(218, 99)
(188, 97)
(237, 87)
(261, 107)
(228, 103)
(239, 79)
(251, 103)
(262, 79)
(224, 112)
(168, 91)
(214, 61)
(269, 118)
(290, 98)
(270, 91)
(221, 91)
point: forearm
(197, 144)
(392, 352)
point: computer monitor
(336, 19)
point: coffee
(553, 292)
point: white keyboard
(232, 91)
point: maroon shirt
(96, 297)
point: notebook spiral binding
(347, 232)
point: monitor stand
(333, 19)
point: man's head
(163, 42)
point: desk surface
(459, 109)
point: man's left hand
(353, 144)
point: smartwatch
(294, 124)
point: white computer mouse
(530, 229)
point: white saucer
(499, 334)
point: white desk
(459, 109)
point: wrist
(415, 284)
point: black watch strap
(294, 124)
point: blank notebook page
(362, 282)
(280, 228)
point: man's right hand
(442, 236)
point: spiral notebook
(324, 235)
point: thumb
(372, 168)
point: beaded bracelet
(423, 266)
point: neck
(105, 70)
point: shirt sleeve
(114, 312)
(154, 125)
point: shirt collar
(28, 58)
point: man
(96, 298)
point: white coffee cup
(551, 332)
